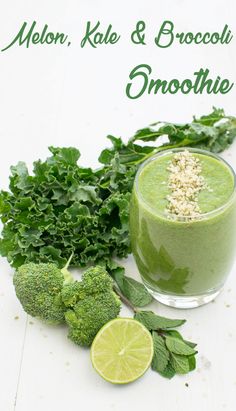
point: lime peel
(122, 350)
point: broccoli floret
(38, 287)
(70, 293)
(95, 280)
(92, 303)
(89, 315)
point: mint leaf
(180, 363)
(136, 293)
(176, 334)
(161, 354)
(192, 362)
(190, 343)
(118, 274)
(155, 322)
(176, 346)
(168, 372)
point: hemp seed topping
(185, 182)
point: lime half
(122, 350)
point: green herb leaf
(176, 346)
(176, 334)
(161, 354)
(155, 322)
(192, 362)
(169, 372)
(190, 343)
(136, 293)
(180, 363)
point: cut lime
(122, 350)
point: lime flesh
(122, 350)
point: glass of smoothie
(183, 225)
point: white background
(62, 96)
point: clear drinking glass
(183, 262)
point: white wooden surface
(69, 96)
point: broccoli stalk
(39, 286)
(66, 273)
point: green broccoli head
(38, 287)
(95, 280)
(89, 315)
(92, 304)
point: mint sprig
(172, 353)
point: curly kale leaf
(62, 208)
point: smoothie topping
(185, 182)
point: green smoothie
(183, 257)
